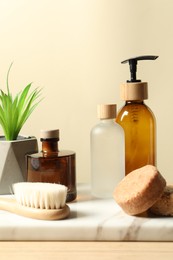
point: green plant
(15, 111)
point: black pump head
(133, 65)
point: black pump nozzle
(133, 65)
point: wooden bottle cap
(107, 111)
(134, 91)
(48, 134)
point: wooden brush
(37, 200)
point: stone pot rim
(20, 138)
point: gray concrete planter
(13, 161)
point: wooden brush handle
(9, 204)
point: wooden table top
(85, 250)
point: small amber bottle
(52, 165)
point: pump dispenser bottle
(137, 120)
(107, 153)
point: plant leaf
(28, 106)
(8, 89)
(14, 113)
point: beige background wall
(73, 49)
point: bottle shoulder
(104, 127)
(141, 106)
(135, 109)
(136, 115)
(63, 153)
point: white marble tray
(90, 219)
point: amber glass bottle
(139, 126)
(137, 120)
(52, 165)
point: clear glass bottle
(137, 120)
(52, 165)
(107, 153)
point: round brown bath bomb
(164, 205)
(139, 190)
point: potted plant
(13, 147)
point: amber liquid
(139, 126)
(57, 168)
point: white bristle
(40, 195)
